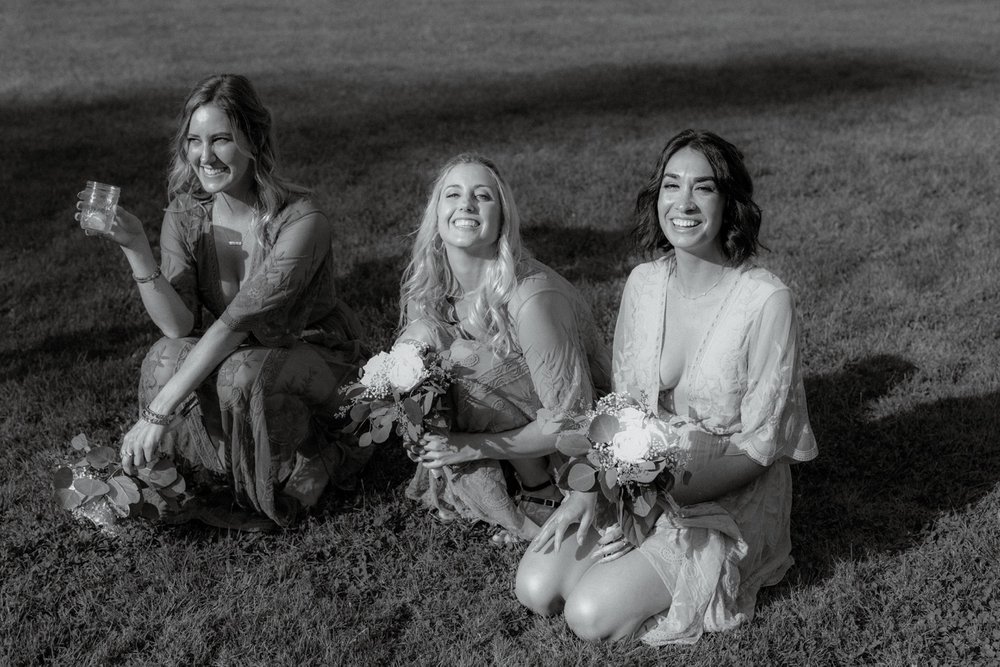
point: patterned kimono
(268, 407)
(743, 384)
(557, 370)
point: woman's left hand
(612, 544)
(440, 451)
(141, 445)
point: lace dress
(744, 383)
(559, 363)
(269, 406)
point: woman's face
(213, 152)
(468, 210)
(690, 205)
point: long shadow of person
(879, 482)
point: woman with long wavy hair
(243, 388)
(525, 341)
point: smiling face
(215, 156)
(690, 205)
(468, 210)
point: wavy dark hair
(740, 217)
(235, 96)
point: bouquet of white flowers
(96, 488)
(627, 453)
(399, 392)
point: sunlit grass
(871, 132)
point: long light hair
(429, 288)
(250, 120)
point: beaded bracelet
(148, 279)
(156, 418)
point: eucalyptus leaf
(90, 487)
(360, 412)
(355, 391)
(365, 440)
(68, 498)
(581, 477)
(101, 457)
(381, 431)
(572, 444)
(160, 474)
(604, 428)
(62, 478)
(152, 498)
(79, 442)
(179, 486)
(641, 506)
(611, 478)
(413, 411)
(124, 491)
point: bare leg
(545, 578)
(613, 600)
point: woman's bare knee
(588, 618)
(537, 588)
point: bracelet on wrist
(156, 418)
(147, 279)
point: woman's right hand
(126, 230)
(141, 445)
(578, 508)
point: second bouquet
(627, 453)
(399, 392)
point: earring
(437, 244)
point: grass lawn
(871, 131)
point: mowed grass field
(871, 131)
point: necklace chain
(698, 296)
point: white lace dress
(744, 384)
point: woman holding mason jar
(243, 387)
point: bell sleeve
(553, 350)
(774, 418)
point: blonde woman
(523, 338)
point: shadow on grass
(571, 251)
(65, 350)
(879, 483)
(125, 138)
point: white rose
(631, 418)
(407, 369)
(631, 445)
(374, 372)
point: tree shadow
(879, 483)
(570, 251)
(64, 350)
(340, 126)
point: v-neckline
(215, 272)
(692, 367)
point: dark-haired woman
(705, 334)
(244, 397)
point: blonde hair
(428, 286)
(235, 96)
